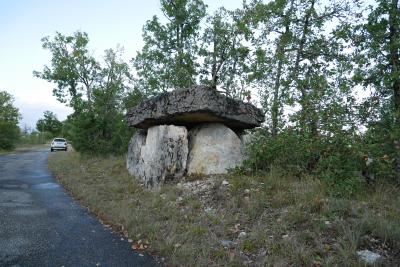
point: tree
(300, 64)
(73, 69)
(225, 55)
(377, 56)
(274, 18)
(377, 62)
(105, 130)
(49, 123)
(168, 57)
(9, 117)
(319, 66)
(94, 89)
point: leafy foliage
(226, 57)
(168, 58)
(9, 117)
(49, 123)
(337, 160)
(95, 91)
(377, 43)
(72, 69)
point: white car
(59, 144)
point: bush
(34, 138)
(9, 135)
(341, 163)
(290, 151)
(382, 144)
(9, 117)
(94, 135)
(336, 159)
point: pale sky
(24, 22)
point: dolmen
(194, 131)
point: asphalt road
(40, 225)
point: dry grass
(288, 222)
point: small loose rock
(227, 244)
(242, 234)
(262, 253)
(369, 256)
(208, 209)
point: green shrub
(9, 135)
(336, 159)
(289, 150)
(382, 144)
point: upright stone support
(213, 149)
(158, 156)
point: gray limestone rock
(159, 155)
(246, 138)
(213, 149)
(369, 256)
(190, 107)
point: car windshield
(59, 140)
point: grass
(24, 148)
(287, 221)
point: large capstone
(190, 107)
(214, 148)
(158, 155)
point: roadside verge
(237, 219)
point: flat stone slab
(189, 107)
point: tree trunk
(301, 87)
(280, 53)
(394, 32)
(275, 101)
(214, 65)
